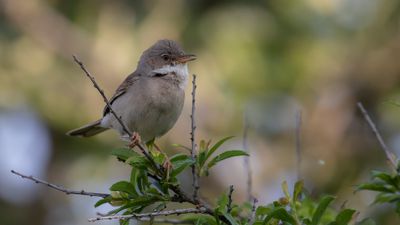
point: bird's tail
(88, 130)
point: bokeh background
(265, 59)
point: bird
(150, 100)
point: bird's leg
(135, 140)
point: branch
(149, 215)
(298, 144)
(166, 221)
(87, 73)
(389, 155)
(253, 211)
(193, 151)
(249, 182)
(59, 188)
(124, 127)
(229, 206)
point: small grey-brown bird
(150, 100)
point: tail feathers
(88, 130)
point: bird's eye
(165, 57)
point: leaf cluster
(387, 186)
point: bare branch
(249, 183)
(298, 144)
(59, 188)
(150, 215)
(229, 206)
(166, 221)
(193, 151)
(126, 130)
(253, 211)
(389, 155)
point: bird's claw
(135, 140)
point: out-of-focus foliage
(387, 186)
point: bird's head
(165, 57)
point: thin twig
(166, 221)
(253, 211)
(229, 206)
(126, 130)
(298, 144)
(59, 188)
(389, 155)
(149, 215)
(124, 127)
(193, 151)
(249, 182)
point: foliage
(153, 183)
(152, 188)
(387, 185)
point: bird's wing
(123, 87)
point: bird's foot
(135, 140)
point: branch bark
(149, 215)
(249, 182)
(59, 188)
(389, 155)
(298, 144)
(193, 151)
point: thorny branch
(389, 155)
(165, 221)
(193, 151)
(59, 188)
(298, 144)
(249, 182)
(149, 215)
(229, 206)
(253, 211)
(126, 130)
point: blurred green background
(265, 59)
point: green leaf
(200, 218)
(179, 163)
(385, 177)
(285, 189)
(225, 155)
(124, 222)
(381, 187)
(230, 218)
(124, 186)
(138, 162)
(103, 201)
(345, 216)
(386, 198)
(182, 146)
(263, 210)
(298, 188)
(124, 153)
(201, 159)
(216, 146)
(280, 214)
(322, 206)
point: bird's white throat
(181, 70)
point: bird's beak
(186, 58)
